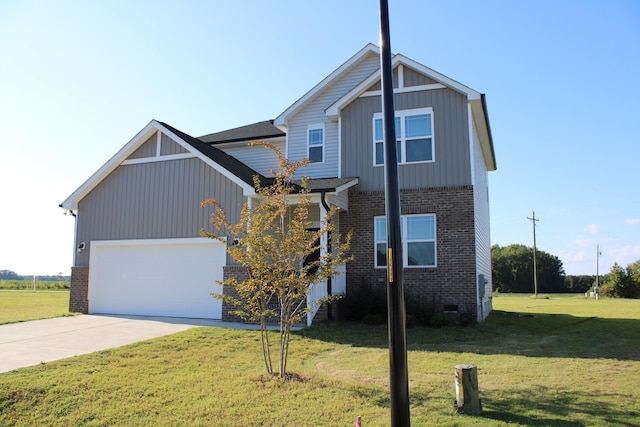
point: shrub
(363, 300)
(367, 303)
(440, 320)
(467, 316)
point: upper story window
(414, 136)
(315, 143)
(418, 240)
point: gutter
(329, 279)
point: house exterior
(137, 245)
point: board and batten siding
(451, 141)
(147, 149)
(314, 113)
(155, 200)
(169, 146)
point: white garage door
(167, 277)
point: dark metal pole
(399, 378)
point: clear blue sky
(78, 79)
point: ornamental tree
(275, 242)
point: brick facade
(452, 283)
(79, 294)
(239, 273)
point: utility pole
(535, 264)
(598, 253)
(399, 377)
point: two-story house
(137, 244)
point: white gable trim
(397, 90)
(159, 145)
(110, 166)
(121, 158)
(441, 78)
(281, 121)
(400, 61)
(156, 159)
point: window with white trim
(418, 240)
(414, 136)
(315, 143)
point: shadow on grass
(531, 335)
(567, 409)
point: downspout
(329, 283)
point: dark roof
(246, 173)
(228, 162)
(318, 185)
(256, 131)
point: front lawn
(536, 367)
(19, 306)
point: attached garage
(156, 277)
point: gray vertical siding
(153, 201)
(147, 149)
(168, 147)
(413, 78)
(451, 140)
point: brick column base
(79, 294)
(239, 273)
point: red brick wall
(79, 294)
(453, 281)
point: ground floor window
(418, 240)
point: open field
(41, 285)
(561, 361)
(18, 306)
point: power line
(535, 264)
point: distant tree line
(12, 275)
(512, 270)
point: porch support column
(325, 248)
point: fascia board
(72, 201)
(245, 143)
(346, 186)
(280, 121)
(481, 122)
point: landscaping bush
(363, 300)
(367, 303)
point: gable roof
(281, 120)
(229, 166)
(476, 99)
(230, 163)
(255, 131)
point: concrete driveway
(30, 343)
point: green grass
(542, 362)
(19, 306)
